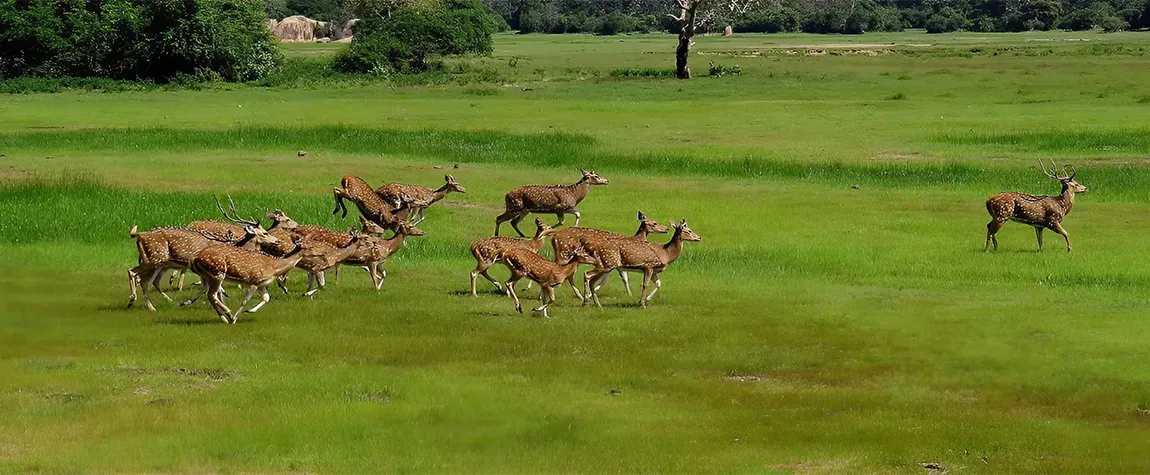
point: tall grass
(564, 150)
(1131, 140)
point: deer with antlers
(565, 241)
(634, 255)
(484, 251)
(371, 206)
(548, 274)
(1040, 211)
(417, 198)
(251, 269)
(281, 227)
(373, 251)
(557, 199)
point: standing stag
(549, 274)
(418, 198)
(565, 241)
(371, 206)
(634, 255)
(252, 269)
(373, 252)
(557, 199)
(1040, 211)
(484, 251)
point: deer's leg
(560, 216)
(203, 290)
(312, 284)
(214, 297)
(481, 269)
(571, 282)
(133, 274)
(1038, 234)
(155, 280)
(251, 290)
(1057, 227)
(264, 298)
(518, 219)
(658, 284)
(335, 270)
(647, 274)
(577, 216)
(506, 216)
(146, 281)
(281, 281)
(991, 229)
(548, 296)
(322, 279)
(511, 291)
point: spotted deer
(373, 251)
(558, 199)
(371, 206)
(634, 255)
(280, 228)
(174, 248)
(251, 269)
(320, 255)
(418, 198)
(338, 239)
(565, 241)
(1040, 211)
(548, 274)
(484, 251)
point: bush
(643, 73)
(616, 23)
(135, 39)
(719, 70)
(410, 38)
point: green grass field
(839, 315)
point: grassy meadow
(839, 316)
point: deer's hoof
(518, 309)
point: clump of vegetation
(643, 73)
(720, 70)
(410, 38)
(897, 97)
(128, 39)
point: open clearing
(838, 316)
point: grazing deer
(175, 248)
(634, 255)
(484, 251)
(557, 199)
(374, 251)
(371, 206)
(1042, 212)
(548, 274)
(252, 269)
(418, 198)
(567, 240)
(320, 256)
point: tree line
(824, 16)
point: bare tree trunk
(686, 20)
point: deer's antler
(235, 217)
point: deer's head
(542, 229)
(452, 185)
(592, 178)
(651, 226)
(369, 227)
(685, 231)
(260, 236)
(408, 229)
(281, 220)
(1067, 180)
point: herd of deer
(242, 251)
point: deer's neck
(642, 232)
(568, 269)
(246, 239)
(439, 193)
(1066, 199)
(289, 261)
(674, 248)
(580, 189)
(348, 250)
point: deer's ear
(448, 178)
(640, 216)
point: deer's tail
(134, 232)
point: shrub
(409, 39)
(643, 73)
(719, 70)
(135, 39)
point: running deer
(373, 251)
(281, 225)
(484, 251)
(418, 198)
(548, 274)
(558, 199)
(354, 189)
(1042, 212)
(252, 269)
(634, 255)
(567, 240)
(337, 239)
(174, 248)
(320, 256)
